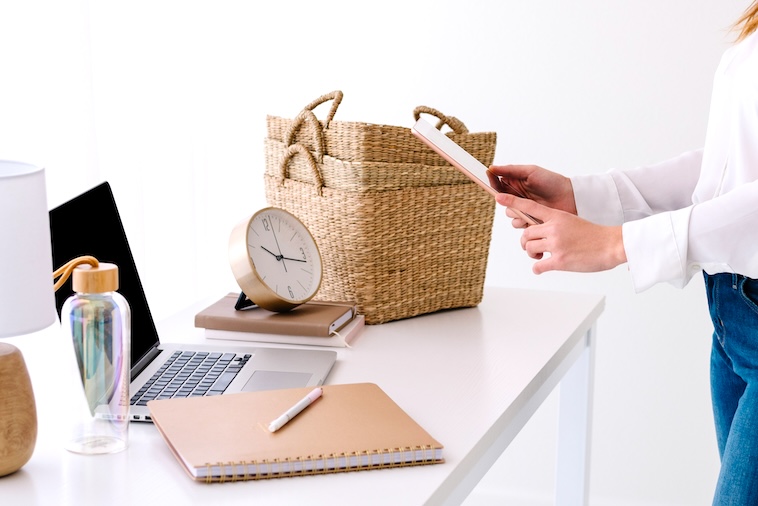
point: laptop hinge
(146, 359)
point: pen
(294, 410)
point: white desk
(471, 377)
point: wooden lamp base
(18, 412)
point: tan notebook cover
(351, 427)
(317, 319)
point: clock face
(281, 267)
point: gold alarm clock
(275, 261)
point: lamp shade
(27, 299)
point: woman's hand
(571, 243)
(532, 182)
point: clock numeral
(292, 294)
(266, 225)
(302, 252)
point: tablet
(462, 160)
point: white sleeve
(654, 204)
(717, 235)
(656, 249)
(620, 196)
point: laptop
(223, 369)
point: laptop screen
(90, 225)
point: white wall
(167, 100)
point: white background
(167, 100)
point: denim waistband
(735, 277)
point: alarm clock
(275, 260)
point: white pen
(294, 410)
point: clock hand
(278, 257)
(294, 259)
(281, 257)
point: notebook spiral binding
(321, 464)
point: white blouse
(698, 211)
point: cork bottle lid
(100, 279)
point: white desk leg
(575, 428)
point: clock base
(243, 302)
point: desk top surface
(458, 373)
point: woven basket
(399, 238)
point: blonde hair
(748, 22)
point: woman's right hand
(535, 183)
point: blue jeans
(733, 303)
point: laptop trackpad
(275, 380)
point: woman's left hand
(571, 243)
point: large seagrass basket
(401, 232)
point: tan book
(350, 427)
(339, 339)
(317, 319)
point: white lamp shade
(27, 299)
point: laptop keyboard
(191, 374)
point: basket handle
(294, 149)
(317, 126)
(297, 123)
(335, 96)
(454, 123)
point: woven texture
(401, 232)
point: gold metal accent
(246, 274)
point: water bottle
(97, 320)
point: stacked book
(315, 323)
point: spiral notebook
(351, 427)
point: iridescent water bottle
(97, 319)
